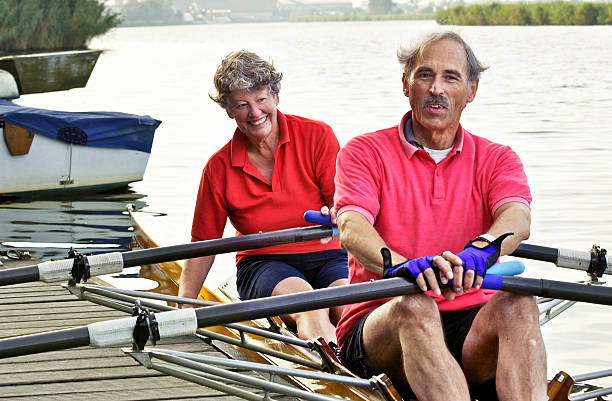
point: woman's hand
(332, 212)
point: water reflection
(47, 228)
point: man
(428, 187)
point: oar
(185, 321)
(61, 270)
(595, 262)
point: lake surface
(547, 93)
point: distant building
(296, 7)
(236, 10)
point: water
(548, 94)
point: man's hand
(423, 271)
(476, 260)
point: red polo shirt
(422, 208)
(303, 179)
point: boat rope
(146, 326)
(16, 254)
(80, 266)
(598, 264)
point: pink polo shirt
(420, 208)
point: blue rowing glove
(409, 269)
(480, 259)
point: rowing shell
(167, 274)
(171, 272)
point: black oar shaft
(537, 252)
(19, 275)
(224, 245)
(596, 294)
(304, 301)
(171, 253)
(44, 342)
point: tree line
(30, 25)
(555, 13)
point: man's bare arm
(514, 217)
(363, 241)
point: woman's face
(254, 112)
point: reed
(555, 13)
(35, 25)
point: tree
(31, 25)
(380, 6)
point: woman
(275, 168)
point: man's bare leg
(505, 341)
(404, 339)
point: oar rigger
(599, 262)
(80, 266)
(146, 327)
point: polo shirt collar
(238, 144)
(410, 149)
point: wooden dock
(86, 372)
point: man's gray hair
(244, 70)
(408, 56)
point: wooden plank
(29, 299)
(53, 307)
(91, 387)
(38, 319)
(101, 358)
(86, 372)
(150, 388)
(13, 289)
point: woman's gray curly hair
(244, 70)
(408, 56)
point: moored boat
(56, 151)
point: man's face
(438, 86)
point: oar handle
(510, 268)
(312, 216)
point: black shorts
(258, 275)
(456, 325)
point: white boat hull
(52, 165)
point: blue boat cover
(99, 129)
